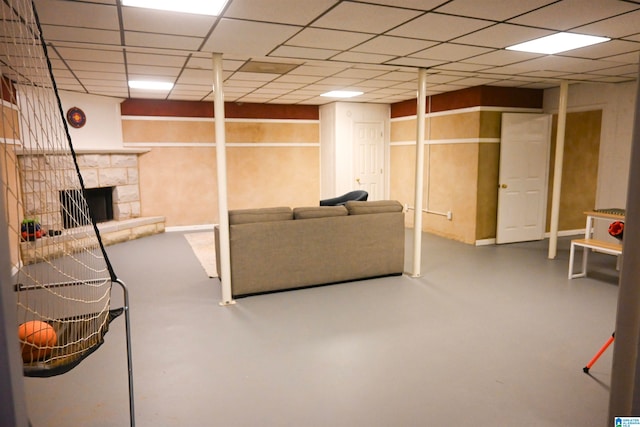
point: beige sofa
(274, 249)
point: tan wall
(463, 177)
(8, 162)
(488, 168)
(580, 168)
(268, 164)
(454, 177)
(168, 130)
(8, 165)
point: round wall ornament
(76, 117)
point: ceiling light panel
(150, 85)
(559, 42)
(200, 7)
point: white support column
(419, 180)
(557, 172)
(221, 161)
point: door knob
(504, 186)
(358, 180)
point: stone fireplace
(112, 192)
(110, 179)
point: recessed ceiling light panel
(556, 43)
(200, 7)
(150, 85)
(342, 94)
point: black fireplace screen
(100, 201)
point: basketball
(36, 338)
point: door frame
(545, 188)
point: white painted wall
(336, 144)
(103, 129)
(617, 102)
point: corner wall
(462, 153)
(616, 103)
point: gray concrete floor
(487, 336)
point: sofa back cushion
(374, 207)
(319, 212)
(247, 216)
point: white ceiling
(374, 46)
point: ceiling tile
(108, 67)
(415, 62)
(327, 39)
(247, 38)
(298, 79)
(98, 55)
(272, 10)
(502, 57)
(502, 35)
(396, 46)
(78, 14)
(360, 73)
(560, 63)
(86, 35)
(497, 10)
(562, 15)
(633, 37)
(164, 22)
(191, 76)
(628, 58)
(411, 4)
(399, 76)
(618, 70)
(378, 18)
(153, 70)
(451, 52)
(620, 26)
(460, 66)
(161, 41)
(610, 48)
(434, 26)
(303, 53)
(154, 59)
(258, 77)
(367, 58)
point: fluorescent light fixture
(556, 43)
(150, 85)
(200, 7)
(342, 94)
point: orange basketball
(37, 338)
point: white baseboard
(485, 242)
(564, 233)
(201, 227)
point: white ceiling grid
(374, 46)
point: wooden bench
(588, 243)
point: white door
(523, 177)
(369, 159)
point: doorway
(523, 177)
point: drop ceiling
(291, 51)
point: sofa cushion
(247, 216)
(374, 207)
(319, 212)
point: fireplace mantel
(27, 152)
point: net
(61, 275)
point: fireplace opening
(99, 200)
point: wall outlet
(449, 215)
